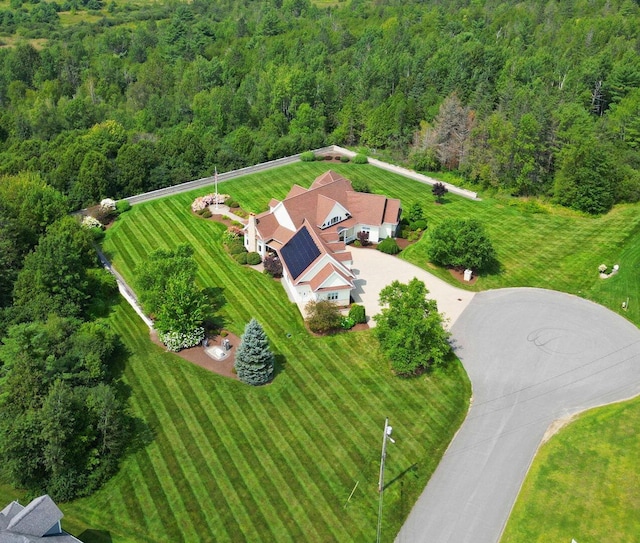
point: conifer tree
(254, 359)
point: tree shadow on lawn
(280, 363)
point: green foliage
(415, 213)
(241, 257)
(54, 276)
(254, 361)
(389, 246)
(461, 243)
(360, 186)
(253, 259)
(360, 159)
(307, 156)
(168, 292)
(347, 323)
(357, 313)
(410, 329)
(205, 214)
(63, 424)
(323, 317)
(122, 206)
(420, 224)
(345, 159)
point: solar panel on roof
(299, 252)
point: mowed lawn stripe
(217, 457)
(168, 456)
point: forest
(530, 98)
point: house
(309, 230)
(37, 522)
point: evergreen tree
(254, 359)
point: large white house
(309, 230)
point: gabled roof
(38, 522)
(37, 518)
(329, 270)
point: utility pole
(385, 436)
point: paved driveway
(533, 356)
(375, 270)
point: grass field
(584, 483)
(228, 462)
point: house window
(334, 220)
(332, 296)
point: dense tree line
(63, 418)
(535, 98)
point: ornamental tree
(410, 329)
(254, 359)
(461, 243)
(439, 190)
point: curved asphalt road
(533, 356)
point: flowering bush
(108, 204)
(91, 222)
(175, 341)
(204, 202)
(602, 268)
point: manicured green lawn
(584, 483)
(227, 462)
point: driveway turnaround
(375, 270)
(534, 357)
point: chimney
(251, 234)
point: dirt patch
(197, 356)
(556, 426)
(459, 275)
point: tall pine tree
(254, 359)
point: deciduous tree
(410, 329)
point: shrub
(236, 248)
(360, 159)
(307, 156)
(273, 265)
(231, 203)
(389, 246)
(357, 243)
(91, 222)
(357, 313)
(240, 258)
(414, 235)
(206, 214)
(323, 317)
(360, 186)
(347, 323)
(176, 341)
(253, 259)
(419, 225)
(122, 206)
(230, 237)
(344, 159)
(363, 238)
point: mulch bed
(459, 275)
(196, 355)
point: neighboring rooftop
(38, 522)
